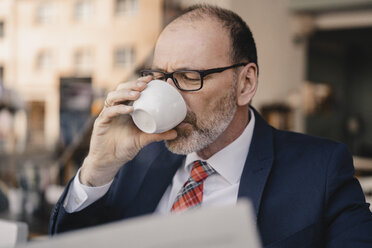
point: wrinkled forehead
(198, 44)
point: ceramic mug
(159, 108)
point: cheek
(202, 106)
(205, 102)
(195, 103)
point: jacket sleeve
(94, 214)
(347, 216)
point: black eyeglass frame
(202, 74)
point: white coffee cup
(159, 108)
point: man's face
(199, 45)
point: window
(1, 29)
(83, 10)
(123, 7)
(124, 57)
(83, 61)
(45, 13)
(44, 60)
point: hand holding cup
(115, 139)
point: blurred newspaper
(215, 227)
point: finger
(137, 85)
(169, 135)
(134, 85)
(148, 138)
(120, 96)
(108, 114)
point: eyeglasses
(187, 80)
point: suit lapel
(155, 182)
(258, 164)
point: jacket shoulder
(304, 143)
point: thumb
(169, 135)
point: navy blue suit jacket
(302, 189)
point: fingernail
(140, 84)
(133, 93)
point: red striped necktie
(191, 194)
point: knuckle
(99, 117)
(125, 85)
(120, 86)
(109, 95)
(96, 123)
(109, 111)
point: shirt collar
(229, 162)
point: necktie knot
(201, 170)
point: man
(302, 188)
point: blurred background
(59, 58)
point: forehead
(198, 44)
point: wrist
(93, 176)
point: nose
(170, 81)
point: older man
(302, 187)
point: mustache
(193, 121)
(190, 118)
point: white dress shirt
(220, 188)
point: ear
(247, 84)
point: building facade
(43, 42)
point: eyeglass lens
(187, 80)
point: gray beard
(206, 130)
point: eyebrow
(177, 69)
(156, 68)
